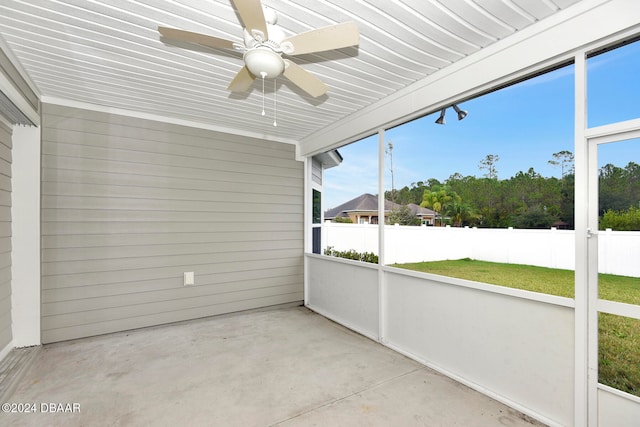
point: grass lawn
(619, 337)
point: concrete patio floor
(283, 367)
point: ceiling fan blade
(188, 36)
(325, 38)
(304, 79)
(252, 16)
(242, 81)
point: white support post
(25, 238)
(381, 256)
(581, 389)
(307, 219)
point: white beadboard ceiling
(109, 53)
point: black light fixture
(461, 114)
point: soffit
(109, 54)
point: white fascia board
(535, 48)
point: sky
(523, 124)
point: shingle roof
(419, 210)
(369, 203)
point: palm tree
(460, 212)
(439, 198)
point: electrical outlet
(189, 278)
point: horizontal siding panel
(219, 273)
(5, 183)
(221, 196)
(129, 311)
(138, 160)
(83, 330)
(95, 265)
(5, 213)
(207, 181)
(123, 165)
(5, 304)
(5, 276)
(212, 283)
(133, 204)
(5, 235)
(5, 135)
(88, 215)
(258, 174)
(5, 167)
(49, 228)
(101, 252)
(5, 198)
(72, 144)
(177, 144)
(5, 256)
(5, 286)
(128, 205)
(5, 152)
(135, 303)
(120, 173)
(5, 321)
(94, 240)
(68, 118)
(6, 334)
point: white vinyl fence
(619, 251)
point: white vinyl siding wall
(5, 235)
(316, 172)
(128, 205)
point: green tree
(439, 199)
(534, 217)
(625, 220)
(614, 189)
(564, 159)
(402, 215)
(489, 164)
(460, 213)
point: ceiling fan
(265, 44)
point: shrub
(352, 254)
(628, 220)
(343, 220)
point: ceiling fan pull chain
(263, 74)
(275, 103)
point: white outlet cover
(189, 278)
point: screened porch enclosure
(127, 167)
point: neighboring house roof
(369, 203)
(419, 210)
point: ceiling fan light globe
(265, 61)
